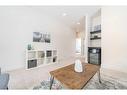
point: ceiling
(69, 15)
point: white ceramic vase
(78, 66)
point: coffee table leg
(51, 81)
(99, 77)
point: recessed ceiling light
(78, 23)
(64, 14)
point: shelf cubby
(40, 54)
(31, 55)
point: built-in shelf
(93, 32)
(35, 58)
(95, 38)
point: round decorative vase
(78, 66)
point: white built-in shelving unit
(35, 58)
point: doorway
(78, 46)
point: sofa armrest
(4, 79)
(0, 70)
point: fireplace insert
(94, 55)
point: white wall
(114, 38)
(17, 25)
(87, 37)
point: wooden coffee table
(73, 80)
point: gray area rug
(107, 83)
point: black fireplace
(94, 55)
